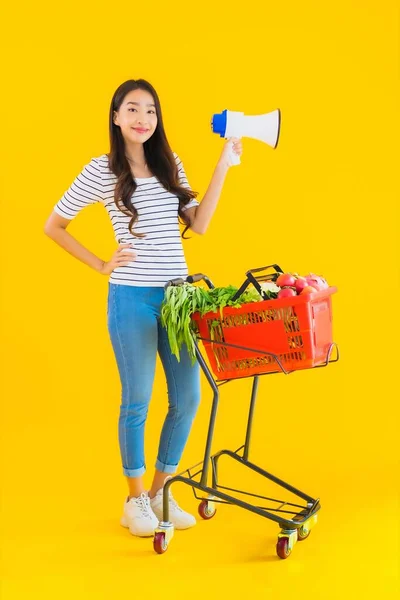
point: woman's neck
(135, 153)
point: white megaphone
(265, 128)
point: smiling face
(137, 116)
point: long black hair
(158, 154)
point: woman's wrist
(222, 168)
(100, 265)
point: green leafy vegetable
(182, 301)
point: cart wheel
(204, 511)
(282, 547)
(159, 543)
(301, 535)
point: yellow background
(325, 201)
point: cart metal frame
(304, 516)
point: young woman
(143, 186)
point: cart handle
(199, 277)
(190, 279)
(250, 278)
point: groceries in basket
(292, 284)
(186, 308)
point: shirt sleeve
(87, 188)
(184, 182)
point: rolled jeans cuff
(165, 468)
(134, 472)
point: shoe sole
(124, 523)
(186, 526)
(177, 526)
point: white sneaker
(138, 516)
(178, 517)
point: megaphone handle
(234, 158)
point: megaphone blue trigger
(218, 123)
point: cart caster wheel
(302, 534)
(159, 543)
(205, 511)
(282, 548)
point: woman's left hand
(234, 145)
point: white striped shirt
(159, 255)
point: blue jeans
(136, 335)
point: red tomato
(285, 279)
(309, 289)
(286, 293)
(301, 283)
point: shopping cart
(259, 338)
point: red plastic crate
(297, 329)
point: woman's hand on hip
(121, 258)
